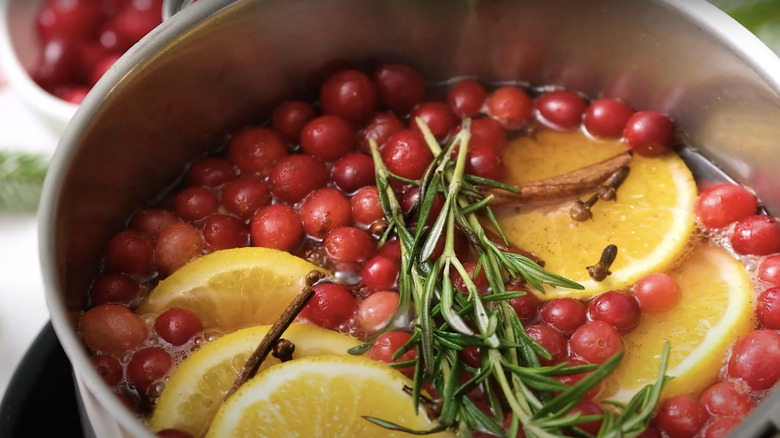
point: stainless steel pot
(219, 64)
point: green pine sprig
(21, 180)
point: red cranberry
(400, 87)
(349, 94)
(649, 133)
(615, 308)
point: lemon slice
(318, 397)
(651, 221)
(196, 389)
(714, 310)
(233, 288)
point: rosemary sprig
(444, 320)
(21, 179)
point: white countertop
(23, 311)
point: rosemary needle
(446, 320)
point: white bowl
(19, 49)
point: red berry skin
(595, 342)
(406, 154)
(328, 137)
(564, 314)
(177, 325)
(386, 345)
(277, 226)
(148, 366)
(256, 150)
(681, 416)
(466, 97)
(348, 245)
(561, 109)
(768, 308)
(727, 398)
(295, 176)
(723, 204)
(350, 94)
(324, 210)
(289, 118)
(400, 87)
(721, 427)
(112, 329)
(606, 117)
(108, 367)
(511, 106)
(331, 306)
(615, 308)
(649, 133)
(769, 270)
(756, 235)
(755, 359)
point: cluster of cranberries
(81, 39)
(304, 183)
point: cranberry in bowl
(54, 51)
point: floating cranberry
(331, 306)
(511, 106)
(289, 118)
(437, 116)
(108, 368)
(656, 292)
(277, 226)
(177, 325)
(245, 195)
(587, 407)
(400, 87)
(755, 358)
(375, 312)
(348, 244)
(223, 232)
(564, 314)
(114, 289)
(379, 128)
(148, 366)
(353, 171)
(210, 172)
(328, 137)
(727, 399)
(768, 308)
(595, 342)
(256, 150)
(133, 21)
(350, 94)
(561, 109)
(466, 97)
(195, 203)
(550, 339)
(649, 133)
(323, 210)
(487, 132)
(72, 19)
(606, 117)
(379, 273)
(526, 307)
(151, 220)
(387, 344)
(130, 252)
(366, 207)
(721, 427)
(615, 308)
(756, 235)
(178, 244)
(769, 270)
(485, 162)
(681, 416)
(406, 154)
(112, 329)
(725, 203)
(295, 176)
